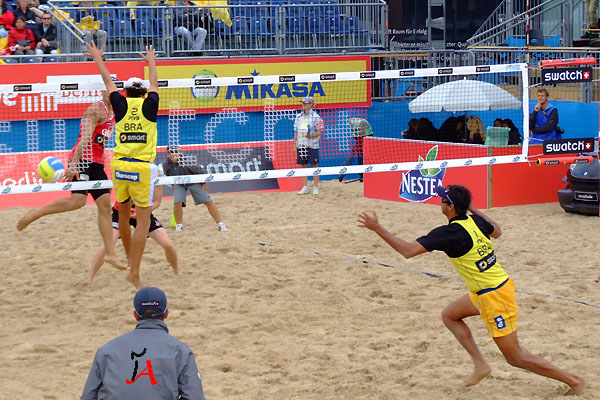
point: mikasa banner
(566, 75)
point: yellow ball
(51, 169)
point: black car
(583, 188)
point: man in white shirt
(307, 130)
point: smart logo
(204, 93)
(419, 184)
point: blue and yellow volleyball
(51, 169)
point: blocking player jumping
(466, 241)
(86, 163)
(133, 172)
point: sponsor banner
(419, 185)
(245, 96)
(523, 183)
(566, 146)
(70, 101)
(566, 75)
(228, 159)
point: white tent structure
(464, 95)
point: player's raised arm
(150, 59)
(92, 51)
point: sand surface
(281, 307)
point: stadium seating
(31, 60)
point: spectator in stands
(498, 123)
(543, 121)
(426, 130)
(514, 136)
(476, 131)
(448, 131)
(411, 132)
(6, 19)
(191, 24)
(591, 15)
(461, 129)
(90, 24)
(29, 14)
(20, 38)
(45, 35)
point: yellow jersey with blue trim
(478, 267)
(136, 136)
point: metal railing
(408, 88)
(557, 21)
(272, 27)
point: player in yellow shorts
(466, 241)
(133, 170)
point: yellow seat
(89, 24)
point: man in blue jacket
(146, 363)
(543, 121)
(45, 35)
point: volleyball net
(242, 128)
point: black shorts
(95, 172)
(306, 155)
(154, 223)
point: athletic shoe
(178, 227)
(316, 190)
(221, 226)
(304, 190)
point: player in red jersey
(86, 163)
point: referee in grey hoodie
(146, 363)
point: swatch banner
(569, 146)
(566, 75)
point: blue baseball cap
(150, 298)
(444, 194)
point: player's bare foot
(26, 220)
(115, 262)
(578, 388)
(134, 280)
(478, 374)
(176, 270)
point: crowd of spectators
(458, 130)
(27, 29)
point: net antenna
(242, 128)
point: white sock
(178, 227)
